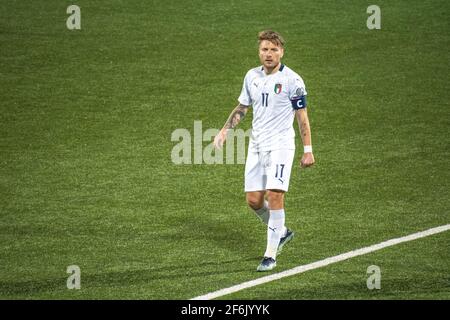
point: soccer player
(277, 95)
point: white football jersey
(274, 99)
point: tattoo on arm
(304, 128)
(236, 116)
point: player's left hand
(220, 138)
(307, 160)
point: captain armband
(299, 102)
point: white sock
(263, 213)
(275, 230)
(283, 231)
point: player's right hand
(220, 138)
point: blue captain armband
(299, 102)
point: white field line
(322, 263)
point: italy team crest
(277, 88)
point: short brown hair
(271, 36)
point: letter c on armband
(299, 103)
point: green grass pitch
(86, 176)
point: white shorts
(268, 170)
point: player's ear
(282, 53)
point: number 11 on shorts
(279, 171)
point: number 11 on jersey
(265, 99)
